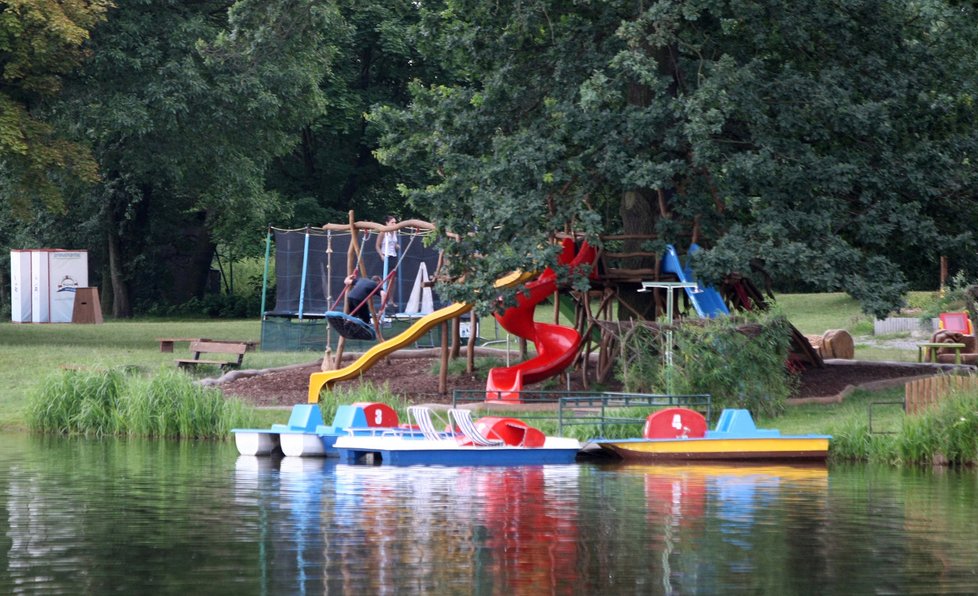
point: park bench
(199, 347)
(166, 343)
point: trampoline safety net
(310, 266)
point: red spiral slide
(556, 346)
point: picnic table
(927, 351)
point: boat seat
(304, 418)
(346, 416)
(463, 419)
(421, 416)
(739, 423)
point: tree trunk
(121, 308)
(638, 216)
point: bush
(740, 362)
(946, 433)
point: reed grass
(945, 433)
(167, 404)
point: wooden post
(470, 345)
(351, 262)
(456, 337)
(443, 373)
(86, 308)
(943, 275)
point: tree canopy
(40, 42)
(830, 141)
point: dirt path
(417, 380)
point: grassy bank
(32, 353)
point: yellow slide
(321, 379)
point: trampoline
(310, 265)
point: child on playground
(360, 289)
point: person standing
(388, 247)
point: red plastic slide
(556, 346)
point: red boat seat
(675, 423)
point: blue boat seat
(347, 416)
(304, 418)
(738, 423)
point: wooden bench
(166, 343)
(199, 347)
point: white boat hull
(296, 444)
(256, 442)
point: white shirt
(388, 244)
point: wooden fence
(923, 393)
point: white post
(669, 286)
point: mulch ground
(417, 380)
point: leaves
(806, 136)
(40, 41)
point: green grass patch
(167, 404)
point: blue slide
(707, 301)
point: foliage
(40, 42)
(740, 365)
(215, 306)
(366, 392)
(332, 168)
(953, 297)
(948, 432)
(185, 106)
(803, 137)
(111, 402)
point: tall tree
(40, 41)
(831, 140)
(185, 105)
(333, 169)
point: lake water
(140, 517)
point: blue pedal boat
(306, 435)
(489, 441)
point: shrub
(947, 432)
(739, 361)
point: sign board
(40, 288)
(68, 271)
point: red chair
(958, 322)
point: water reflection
(148, 517)
(381, 527)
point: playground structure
(596, 334)
(311, 265)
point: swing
(352, 327)
(349, 326)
